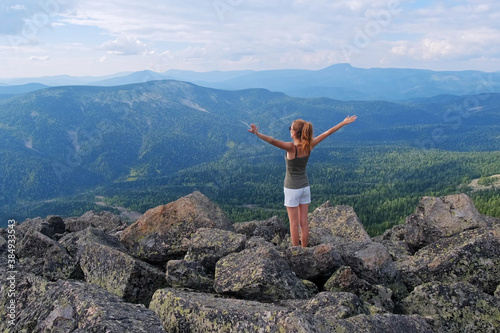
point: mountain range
(62, 141)
(340, 81)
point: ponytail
(304, 130)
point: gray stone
(316, 263)
(208, 245)
(455, 307)
(371, 261)
(106, 221)
(41, 255)
(345, 280)
(472, 256)
(437, 218)
(258, 274)
(109, 266)
(163, 233)
(273, 230)
(189, 274)
(181, 311)
(51, 226)
(383, 323)
(341, 221)
(72, 306)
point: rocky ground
(184, 267)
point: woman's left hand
(254, 129)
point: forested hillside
(138, 146)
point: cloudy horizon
(97, 38)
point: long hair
(304, 131)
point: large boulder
(345, 280)
(162, 233)
(208, 245)
(315, 264)
(472, 256)
(51, 226)
(328, 307)
(182, 311)
(341, 221)
(106, 264)
(71, 306)
(106, 221)
(455, 307)
(371, 261)
(398, 250)
(43, 256)
(437, 218)
(258, 273)
(189, 274)
(273, 230)
(383, 323)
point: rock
(398, 249)
(3, 244)
(259, 242)
(497, 292)
(43, 256)
(51, 226)
(273, 230)
(107, 265)
(189, 274)
(396, 233)
(472, 256)
(258, 273)
(345, 280)
(161, 233)
(182, 311)
(370, 261)
(437, 218)
(318, 236)
(208, 245)
(383, 323)
(73, 306)
(73, 241)
(491, 222)
(99, 220)
(311, 287)
(327, 307)
(341, 221)
(455, 307)
(316, 263)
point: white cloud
(238, 34)
(39, 58)
(16, 8)
(31, 16)
(124, 46)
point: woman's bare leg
(293, 216)
(304, 224)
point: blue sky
(102, 37)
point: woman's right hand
(349, 119)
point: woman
(297, 190)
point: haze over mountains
(341, 81)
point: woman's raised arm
(324, 135)
(288, 146)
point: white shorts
(299, 196)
